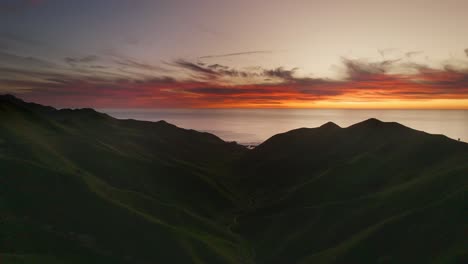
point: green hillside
(374, 192)
(78, 186)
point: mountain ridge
(78, 187)
(368, 123)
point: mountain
(87, 188)
(78, 186)
(374, 192)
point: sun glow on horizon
(436, 104)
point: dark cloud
(286, 76)
(385, 52)
(216, 66)
(227, 90)
(361, 69)
(98, 67)
(77, 60)
(10, 59)
(236, 54)
(32, 73)
(289, 77)
(237, 73)
(281, 73)
(214, 71)
(196, 68)
(132, 63)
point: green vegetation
(77, 186)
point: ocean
(253, 126)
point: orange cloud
(381, 84)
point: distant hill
(78, 186)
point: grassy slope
(356, 195)
(141, 203)
(80, 187)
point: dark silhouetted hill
(78, 186)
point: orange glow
(387, 104)
(333, 104)
(363, 88)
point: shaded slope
(368, 148)
(78, 186)
(327, 192)
(83, 174)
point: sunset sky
(236, 54)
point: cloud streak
(216, 85)
(73, 61)
(236, 54)
(135, 64)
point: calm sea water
(253, 126)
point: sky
(236, 54)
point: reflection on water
(253, 126)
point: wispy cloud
(78, 60)
(216, 85)
(132, 63)
(385, 52)
(14, 60)
(236, 54)
(19, 39)
(196, 68)
(411, 54)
